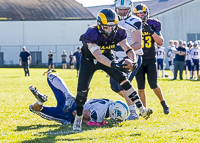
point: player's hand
(148, 28)
(119, 67)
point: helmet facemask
(123, 9)
(142, 8)
(118, 111)
(107, 22)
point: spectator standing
(50, 60)
(77, 57)
(25, 60)
(151, 36)
(64, 60)
(179, 61)
(71, 60)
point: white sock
(132, 108)
(38, 102)
(163, 73)
(157, 73)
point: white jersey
(160, 52)
(195, 53)
(98, 109)
(170, 53)
(131, 24)
(188, 54)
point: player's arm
(127, 48)
(30, 58)
(96, 52)
(137, 39)
(86, 116)
(158, 38)
(20, 59)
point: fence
(9, 54)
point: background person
(25, 60)
(71, 60)
(151, 34)
(171, 56)
(160, 61)
(64, 60)
(50, 61)
(77, 57)
(179, 61)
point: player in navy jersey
(195, 54)
(77, 56)
(94, 111)
(133, 26)
(151, 35)
(98, 42)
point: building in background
(41, 25)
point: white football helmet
(123, 8)
(118, 111)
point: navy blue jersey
(92, 35)
(180, 58)
(24, 56)
(148, 43)
(78, 56)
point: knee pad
(126, 85)
(81, 98)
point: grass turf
(18, 124)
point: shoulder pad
(155, 24)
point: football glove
(119, 66)
(148, 28)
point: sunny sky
(88, 3)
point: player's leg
(87, 70)
(129, 90)
(152, 79)
(59, 87)
(182, 65)
(162, 68)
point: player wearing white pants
(160, 61)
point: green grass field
(18, 124)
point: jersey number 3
(146, 42)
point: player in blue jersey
(151, 36)
(98, 42)
(133, 26)
(94, 111)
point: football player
(188, 59)
(133, 26)
(171, 56)
(151, 36)
(160, 60)
(94, 110)
(98, 42)
(195, 53)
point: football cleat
(40, 97)
(165, 107)
(77, 123)
(133, 116)
(145, 113)
(68, 103)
